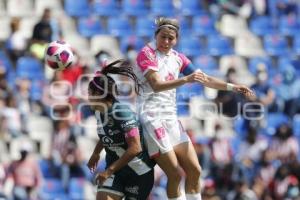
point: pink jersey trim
(132, 133)
(146, 59)
(185, 61)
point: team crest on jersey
(107, 140)
(169, 77)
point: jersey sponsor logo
(131, 122)
(160, 133)
(107, 140)
(114, 132)
(133, 189)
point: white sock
(196, 196)
(177, 198)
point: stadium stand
(216, 35)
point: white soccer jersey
(161, 105)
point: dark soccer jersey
(111, 130)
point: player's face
(165, 40)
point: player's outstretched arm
(218, 84)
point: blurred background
(247, 149)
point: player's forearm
(159, 86)
(98, 148)
(215, 83)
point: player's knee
(174, 176)
(194, 172)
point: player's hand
(247, 92)
(102, 176)
(93, 162)
(197, 76)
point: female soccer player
(129, 170)
(158, 67)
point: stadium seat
(26, 26)
(29, 67)
(131, 42)
(190, 8)
(54, 5)
(275, 45)
(5, 28)
(262, 26)
(273, 121)
(36, 90)
(248, 45)
(296, 125)
(52, 188)
(119, 27)
(233, 26)
(2, 8)
(289, 61)
(105, 43)
(206, 63)
(190, 46)
(134, 8)
(289, 25)
(105, 8)
(183, 96)
(78, 8)
(162, 8)
(89, 27)
(185, 27)
(76, 188)
(144, 27)
(218, 45)
(20, 8)
(296, 44)
(203, 25)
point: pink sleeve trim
(185, 61)
(132, 133)
(146, 59)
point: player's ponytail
(104, 83)
(122, 67)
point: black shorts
(129, 185)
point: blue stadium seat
(78, 8)
(119, 27)
(134, 7)
(262, 26)
(144, 27)
(191, 46)
(131, 41)
(53, 189)
(207, 64)
(29, 67)
(183, 96)
(296, 44)
(5, 62)
(218, 45)
(276, 45)
(162, 8)
(76, 188)
(105, 7)
(203, 25)
(289, 25)
(289, 61)
(296, 125)
(185, 27)
(273, 121)
(88, 27)
(191, 8)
